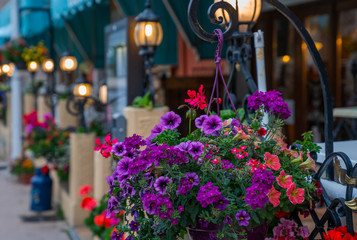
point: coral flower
(272, 161)
(296, 195)
(274, 196)
(309, 163)
(284, 180)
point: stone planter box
(65, 119)
(42, 107)
(29, 103)
(102, 169)
(81, 172)
(141, 120)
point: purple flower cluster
(208, 194)
(272, 102)
(116, 235)
(187, 183)
(195, 149)
(128, 147)
(113, 205)
(169, 120)
(157, 205)
(226, 164)
(262, 182)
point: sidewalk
(18, 222)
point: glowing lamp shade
(5, 68)
(48, 65)
(103, 94)
(248, 12)
(82, 90)
(68, 63)
(148, 34)
(32, 66)
(12, 69)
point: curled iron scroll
(200, 32)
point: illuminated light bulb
(82, 90)
(286, 58)
(148, 30)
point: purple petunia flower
(227, 220)
(199, 121)
(134, 225)
(170, 120)
(196, 149)
(221, 203)
(212, 124)
(113, 204)
(119, 149)
(174, 221)
(161, 184)
(116, 235)
(154, 132)
(122, 169)
(243, 218)
(130, 238)
(184, 146)
(203, 222)
(193, 178)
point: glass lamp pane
(248, 10)
(68, 63)
(148, 34)
(103, 94)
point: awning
(167, 52)
(34, 17)
(174, 13)
(5, 23)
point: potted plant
(23, 167)
(13, 52)
(97, 221)
(35, 53)
(225, 180)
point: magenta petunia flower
(243, 218)
(184, 146)
(161, 184)
(122, 169)
(212, 124)
(170, 120)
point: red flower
(99, 220)
(281, 214)
(197, 99)
(261, 132)
(88, 203)
(106, 148)
(84, 190)
(339, 233)
(45, 170)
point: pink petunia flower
(309, 163)
(284, 180)
(272, 161)
(274, 196)
(296, 195)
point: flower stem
(189, 126)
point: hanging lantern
(48, 65)
(248, 12)
(148, 32)
(82, 88)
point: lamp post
(82, 93)
(32, 67)
(148, 35)
(68, 64)
(48, 68)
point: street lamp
(48, 67)
(32, 67)
(5, 68)
(82, 92)
(68, 64)
(148, 36)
